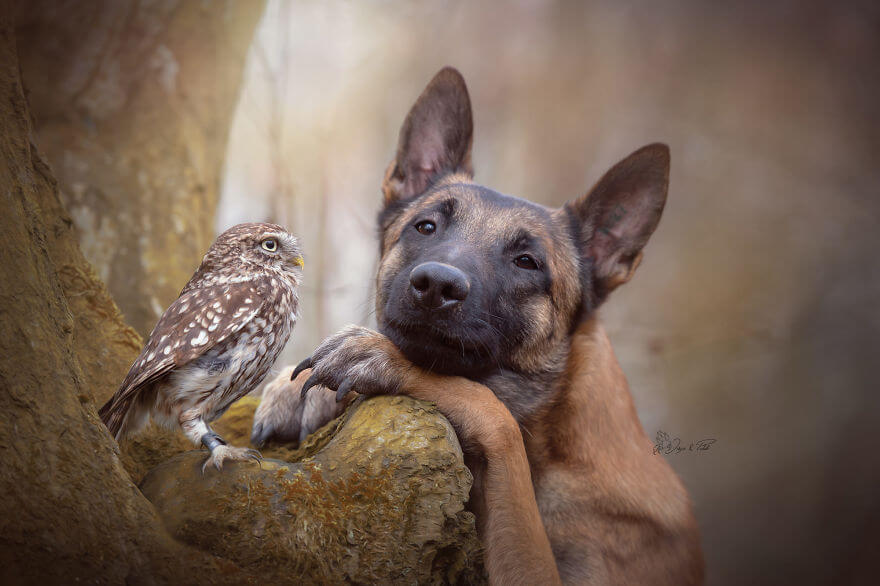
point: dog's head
(472, 281)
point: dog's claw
(307, 363)
(344, 389)
(310, 382)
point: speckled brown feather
(240, 300)
(179, 338)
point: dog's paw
(355, 359)
(284, 416)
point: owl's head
(253, 246)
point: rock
(376, 496)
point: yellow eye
(270, 244)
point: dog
(486, 305)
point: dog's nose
(438, 286)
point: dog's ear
(616, 218)
(435, 138)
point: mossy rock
(377, 496)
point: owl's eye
(524, 261)
(426, 227)
(269, 244)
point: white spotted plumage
(218, 340)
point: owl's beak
(299, 261)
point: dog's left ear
(616, 218)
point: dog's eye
(269, 244)
(524, 261)
(426, 227)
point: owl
(216, 342)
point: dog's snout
(438, 286)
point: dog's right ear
(435, 138)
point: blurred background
(753, 319)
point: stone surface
(376, 496)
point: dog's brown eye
(427, 227)
(524, 261)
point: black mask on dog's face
(472, 281)
(467, 279)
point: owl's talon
(344, 389)
(222, 453)
(310, 382)
(307, 363)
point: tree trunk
(69, 510)
(132, 103)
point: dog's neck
(590, 436)
(592, 408)
(526, 394)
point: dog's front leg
(517, 548)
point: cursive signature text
(666, 444)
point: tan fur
(581, 482)
(589, 469)
(589, 454)
(566, 484)
(583, 477)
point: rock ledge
(376, 496)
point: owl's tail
(123, 417)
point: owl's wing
(196, 322)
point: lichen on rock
(376, 496)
